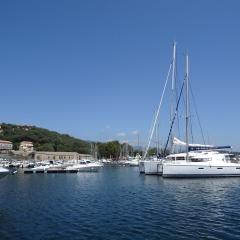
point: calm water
(118, 203)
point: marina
(119, 120)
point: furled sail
(192, 147)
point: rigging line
(191, 121)
(158, 110)
(176, 110)
(151, 128)
(195, 107)
(191, 128)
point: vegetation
(114, 150)
(155, 152)
(43, 139)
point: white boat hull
(92, 167)
(141, 167)
(153, 167)
(132, 163)
(39, 168)
(3, 172)
(200, 170)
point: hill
(43, 139)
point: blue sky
(96, 69)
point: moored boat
(200, 164)
(198, 160)
(3, 172)
(85, 166)
(153, 167)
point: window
(180, 158)
(200, 159)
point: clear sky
(95, 69)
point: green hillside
(43, 139)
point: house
(26, 146)
(5, 145)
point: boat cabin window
(200, 159)
(177, 158)
(180, 158)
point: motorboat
(106, 161)
(133, 161)
(40, 168)
(3, 172)
(85, 166)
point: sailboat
(202, 160)
(153, 166)
(198, 160)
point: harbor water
(118, 203)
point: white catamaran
(204, 161)
(198, 160)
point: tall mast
(187, 105)
(138, 139)
(173, 85)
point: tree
(48, 147)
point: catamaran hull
(141, 167)
(153, 167)
(186, 171)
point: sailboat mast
(173, 85)
(187, 107)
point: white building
(5, 145)
(26, 146)
(65, 156)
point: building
(55, 156)
(5, 145)
(26, 146)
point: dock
(30, 171)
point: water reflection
(118, 203)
